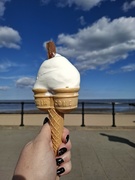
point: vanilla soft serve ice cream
(56, 91)
(57, 73)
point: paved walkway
(97, 153)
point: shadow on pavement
(119, 139)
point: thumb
(45, 132)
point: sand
(70, 119)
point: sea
(86, 105)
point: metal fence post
(113, 114)
(22, 112)
(83, 115)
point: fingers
(65, 169)
(63, 160)
(65, 139)
(45, 132)
(64, 164)
(64, 148)
(66, 157)
(65, 135)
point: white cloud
(8, 77)
(128, 68)
(82, 20)
(125, 69)
(25, 82)
(4, 88)
(45, 2)
(2, 6)
(101, 44)
(126, 6)
(6, 65)
(9, 38)
(79, 4)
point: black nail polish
(62, 151)
(59, 161)
(45, 120)
(67, 138)
(60, 171)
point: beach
(69, 119)
(93, 112)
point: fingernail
(60, 171)
(62, 151)
(45, 120)
(59, 161)
(67, 138)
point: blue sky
(98, 37)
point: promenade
(98, 153)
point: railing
(99, 103)
(82, 109)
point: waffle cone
(63, 101)
(43, 102)
(66, 99)
(56, 122)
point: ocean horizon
(90, 106)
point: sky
(97, 36)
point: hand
(63, 160)
(37, 160)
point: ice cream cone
(56, 120)
(53, 74)
(65, 99)
(62, 102)
(43, 102)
